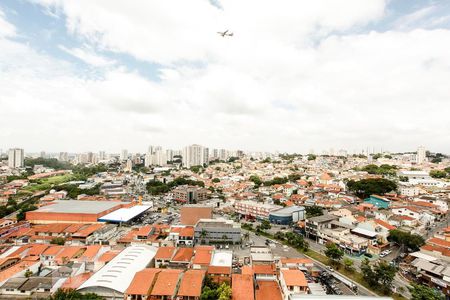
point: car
(388, 252)
(330, 269)
(382, 254)
(368, 255)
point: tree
(348, 264)
(377, 156)
(368, 273)
(422, 292)
(447, 170)
(279, 235)
(334, 253)
(438, 174)
(379, 276)
(407, 239)
(71, 294)
(385, 274)
(203, 235)
(196, 169)
(28, 273)
(216, 180)
(312, 157)
(256, 180)
(58, 241)
(224, 292)
(366, 187)
(313, 211)
(265, 225)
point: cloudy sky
(297, 75)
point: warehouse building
(74, 211)
(112, 281)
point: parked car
(368, 255)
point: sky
(87, 75)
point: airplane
(225, 33)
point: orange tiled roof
(294, 278)
(219, 270)
(264, 269)
(165, 252)
(444, 251)
(187, 231)
(384, 224)
(439, 242)
(242, 287)
(166, 283)
(267, 290)
(76, 281)
(108, 256)
(53, 250)
(191, 283)
(183, 255)
(142, 282)
(202, 257)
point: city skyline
(370, 73)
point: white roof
(119, 272)
(222, 258)
(125, 214)
(427, 257)
(364, 232)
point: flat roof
(365, 232)
(120, 271)
(77, 206)
(125, 214)
(287, 211)
(222, 258)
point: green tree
(334, 253)
(447, 170)
(368, 273)
(422, 292)
(196, 169)
(385, 274)
(438, 174)
(58, 241)
(28, 273)
(413, 241)
(224, 292)
(348, 264)
(366, 187)
(265, 224)
(312, 157)
(313, 211)
(71, 294)
(216, 180)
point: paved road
(281, 251)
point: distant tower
(124, 154)
(15, 158)
(421, 155)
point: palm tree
(246, 236)
(203, 235)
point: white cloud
(6, 28)
(89, 56)
(285, 81)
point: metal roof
(119, 272)
(287, 211)
(77, 206)
(125, 214)
(365, 232)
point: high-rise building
(63, 156)
(16, 158)
(195, 155)
(124, 154)
(43, 155)
(102, 155)
(421, 155)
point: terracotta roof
(384, 224)
(406, 218)
(439, 242)
(444, 251)
(187, 231)
(108, 256)
(86, 231)
(91, 252)
(183, 255)
(202, 257)
(166, 283)
(264, 269)
(219, 270)
(294, 278)
(267, 290)
(242, 287)
(53, 250)
(247, 270)
(144, 230)
(190, 215)
(165, 252)
(68, 253)
(142, 282)
(74, 282)
(191, 283)
(19, 267)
